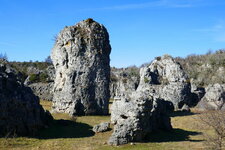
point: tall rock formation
(20, 111)
(81, 60)
(164, 78)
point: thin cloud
(221, 38)
(7, 44)
(217, 31)
(216, 28)
(154, 4)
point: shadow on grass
(174, 135)
(181, 113)
(66, 129)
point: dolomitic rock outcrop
(137, 117)
(42, 89)
(165, 79)
(123, 81)
(20, 111)
(81, 60)
(214, 97)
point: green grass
(65, 133)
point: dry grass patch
(65, 133)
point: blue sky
(139, 29)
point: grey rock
(137, 117)
(48, 73)
(214, 97)
(20, 111)
(43, 90)
(197, 94)
(123, 81)
(102, 127)
(51, 73)
(81, 60)
(185, 108)
(165, 79)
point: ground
(75, 133)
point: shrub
(146, 80)
(124, 80)
(34, 78)
(113, 78)
(216, 121)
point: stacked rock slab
(20, 111)
(214, 97)
(81, 60)
(165, 79)
(137, 117)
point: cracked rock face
(165, 79)
(137, 117)
(81, 60)
(43, 90)
(20, 111)
(214, 97)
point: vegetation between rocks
(65, 133)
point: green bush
(34, 78)
(146, 80)
(204, 69)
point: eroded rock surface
(81, 60)
(102, 127)
(43, 90)
(165, 79)
(137, 117)
(214, 97)
(41, 82)
(20, 111)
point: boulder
(137, 117)
(81, 60)
(20, 111)
(214, 97)
(102, 127)
(165, 79)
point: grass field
(75, 134)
